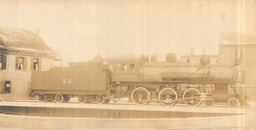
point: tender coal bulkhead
(167, 82)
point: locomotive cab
(125, 68)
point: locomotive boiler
(142, 81)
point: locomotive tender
(168, 82)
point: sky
(79, 30)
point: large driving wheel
(233, 102)
(167, 96)
(41, 97)
(192, 97)
(100, 99)
(59, 98)
(140, 96)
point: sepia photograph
(127, 64)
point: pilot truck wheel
(233, 102)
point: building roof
(21, 41)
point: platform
(239, 122)
(115, 110)
(118, 116)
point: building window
(132, 67)
(20, 63)
(2, 62)
(35, 65)
(7, 87)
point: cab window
(125, 67)
(122, 67)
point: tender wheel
(82, 99)
(167, 95)
(41, 97)
(100, 99)
(140, 96)
(59, 98)
(49, 98)
(233, 102)
(192, 97)
(209, 102)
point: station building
(21, 52)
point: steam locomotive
(167, 82)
